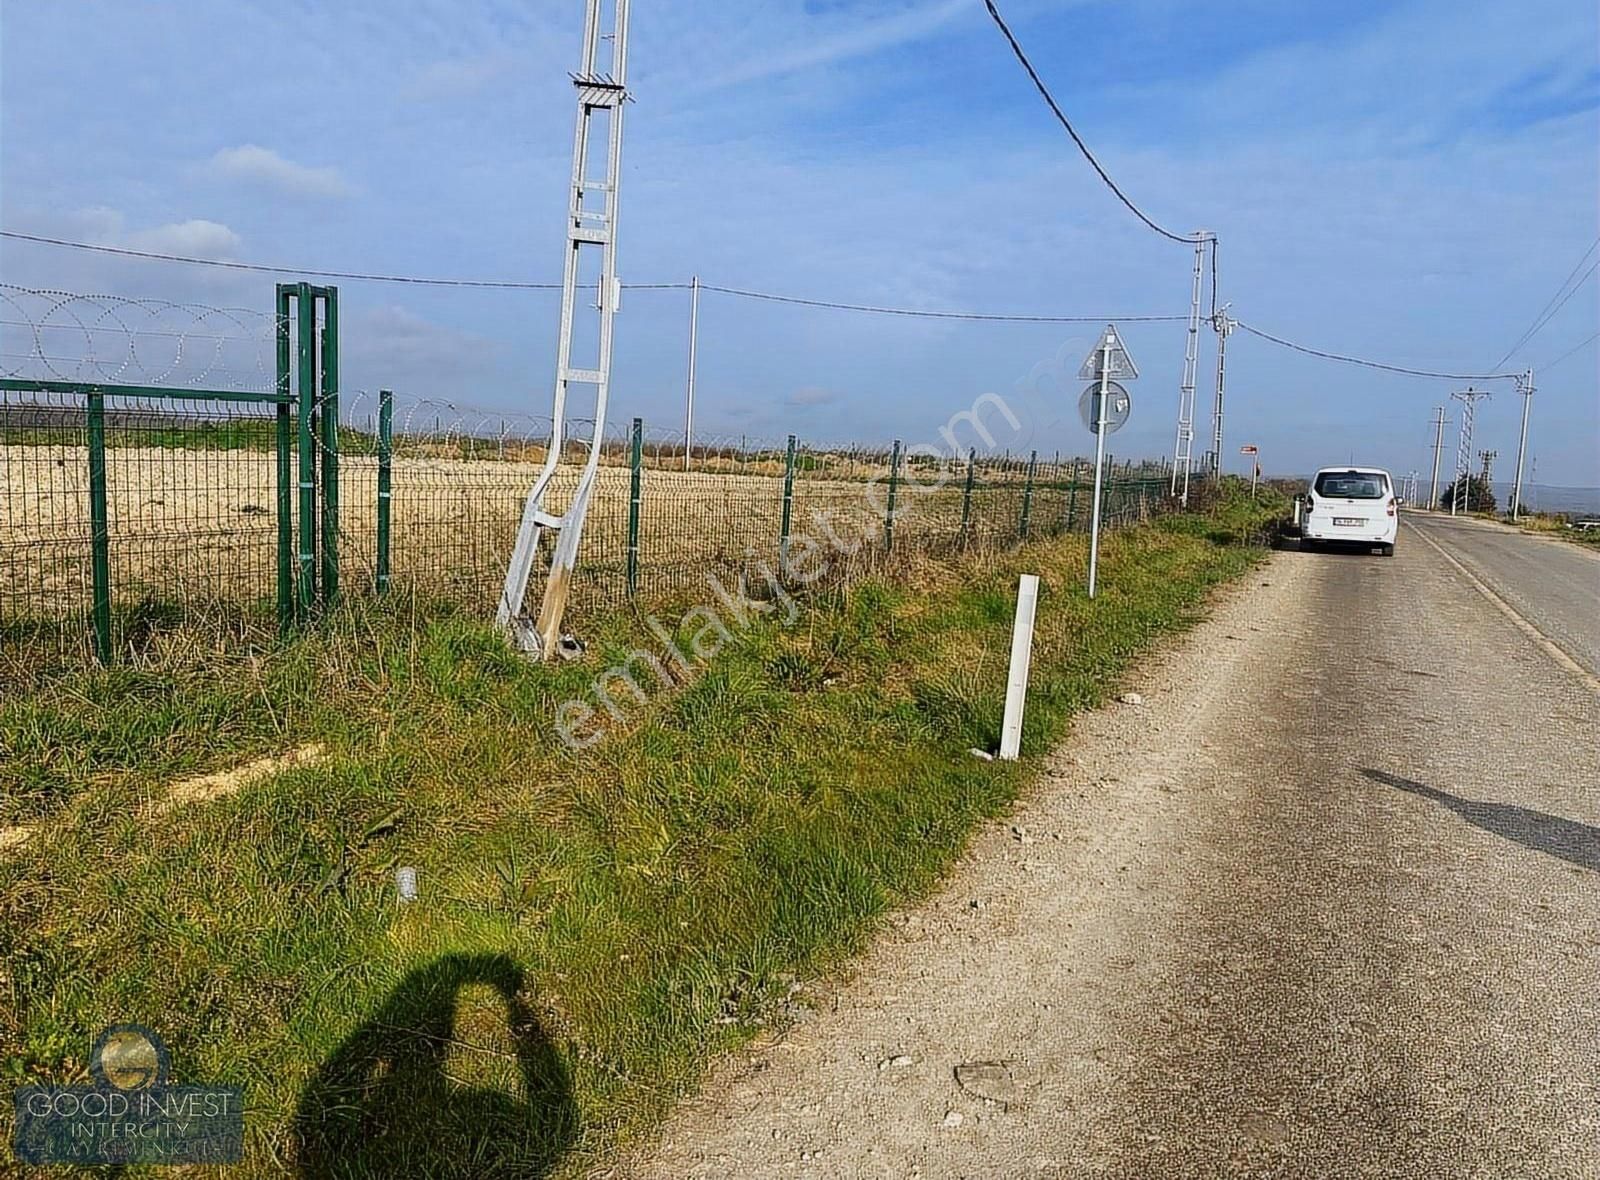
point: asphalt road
(1327, 903)
(1553, 584)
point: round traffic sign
(1118, 406)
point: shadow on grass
(1552, 835)
(385, 1105)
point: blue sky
(1405, 180)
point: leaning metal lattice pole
(591, 223)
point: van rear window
(1350, 485)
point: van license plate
(1348, 521)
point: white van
(1350, 506)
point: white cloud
(859, 39)
(255, 164)
(195, 238)
(390, 345)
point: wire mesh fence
(182, 493)
(191, 491)
(183, 471)
(460, 477)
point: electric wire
(1354, 360)
(1547, 311)
(1573, 351)
(738, 292)
(938, 315)
(1044, 92)
(261, 268)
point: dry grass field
(190, 527)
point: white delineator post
(1021, 657)
(1099, 458)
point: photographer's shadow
(384, 1105)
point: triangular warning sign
(1119, 365)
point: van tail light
(1391, 505)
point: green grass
(593, 928)
(1557, 525)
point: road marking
(1551, 648)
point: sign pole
(1253, 452)
(1099, 461)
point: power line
(1354, 360)
(1050, 101)
(1544, 315)
(910, 312)
(1573, 290)
(260, 268)
(940, 315)
(1570, 352)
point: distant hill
(1551, 497)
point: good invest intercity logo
(131, 1114)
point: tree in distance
(1476, 496)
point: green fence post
(894, 487)
(330, 444)
(1054, 480)
(99, 528)
(788, 511)
(1027, 497)
(636, 465)
(966, 495)
(305, 399)
(285, 470)
(1072, 501)
(385, 482)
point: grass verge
(1559, 526)
(591, 929)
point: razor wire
(48, 335)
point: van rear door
(1353, 499)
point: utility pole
(1488, 458)
(1106, 343)
(1469, 399)
(694, 348)
(1438, 449)
(1183, 449)
(1525, 388)
(1224, 328)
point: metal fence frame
(94, 395)
(433, 506)
(305, 410)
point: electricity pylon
(1469, 399)
(591, 224)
